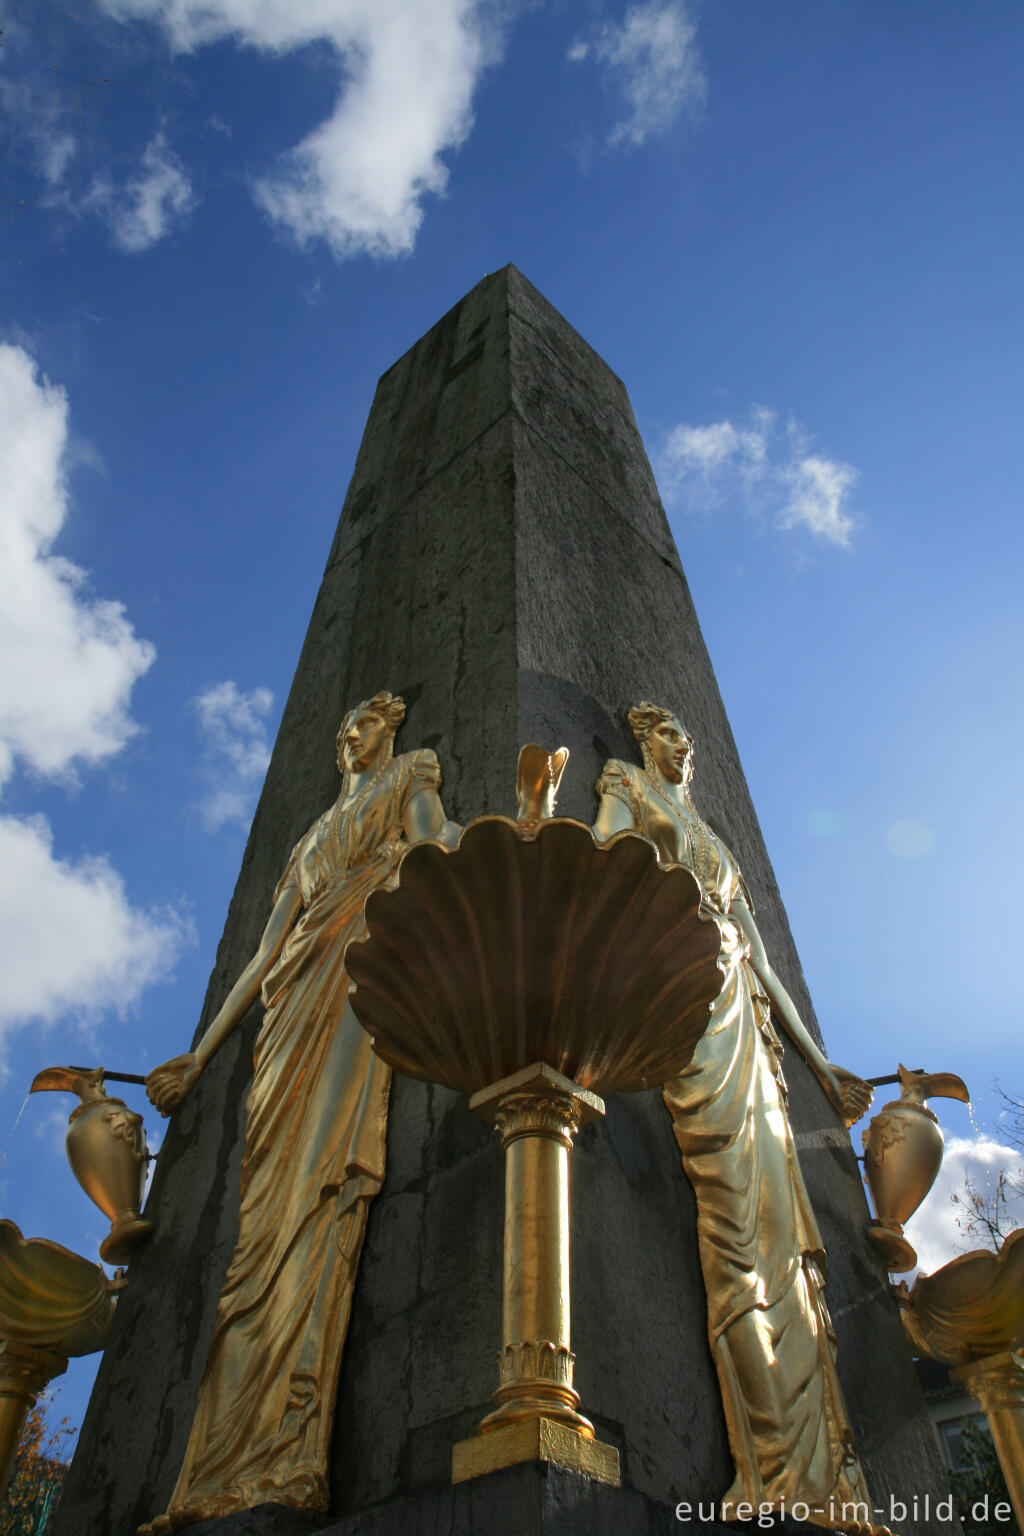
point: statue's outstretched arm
(168, 1085)
(850, 1095)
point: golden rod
(537, 1113)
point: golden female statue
(316, 1125)
(760, 1248)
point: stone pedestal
(502, 562)
(531, 1500)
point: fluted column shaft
(998, 1384)
(537, 1112)
(24, 1373)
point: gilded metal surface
(970, 1308)
(53, 1303)
(537, 1439)
(537, 780)
(970, 1313)
(902, 1155)
(50, 1298)
(537, 1113)
(561, 949)
(106, 1148)
(526, 970)
(998, 1383)
(24, 1373)
(315, 1142)
(761, 1251)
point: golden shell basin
(509, 950)
(971, 1307)
(51, 1298)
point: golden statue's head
(367, 733)
(664, 742)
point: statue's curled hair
(386, 707)
(646, 717)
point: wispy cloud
(36, 120)
(235, 750)
(51, 128)
(768, 468)
(651, 62)
(407, 72)
(72, 936)
(148, 204)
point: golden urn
(903, 1149)
(534, 967)
(106, 1148)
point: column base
(537, 1439)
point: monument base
(535, 1440)
(536, 1498)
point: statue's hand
(169, 1084)
(856, 1094)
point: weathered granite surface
(503, 533)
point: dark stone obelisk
(504, 563)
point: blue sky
(793, 229)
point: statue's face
(670, 747)
(363, 739)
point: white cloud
(36, 119)
(933, 1230)
(141, 207)
(146, 206)
(770, 469)
(235, 750)
(408, 68)
(817, 489)
(70, 659)
(73, 939)
(652, 62)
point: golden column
(537, 1113)
(24, 1373)
(998, 1384)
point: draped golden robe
(760, 1248)
(314, 1158)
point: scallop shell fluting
(51, 1298)
(971, 1307)
(507, 950)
